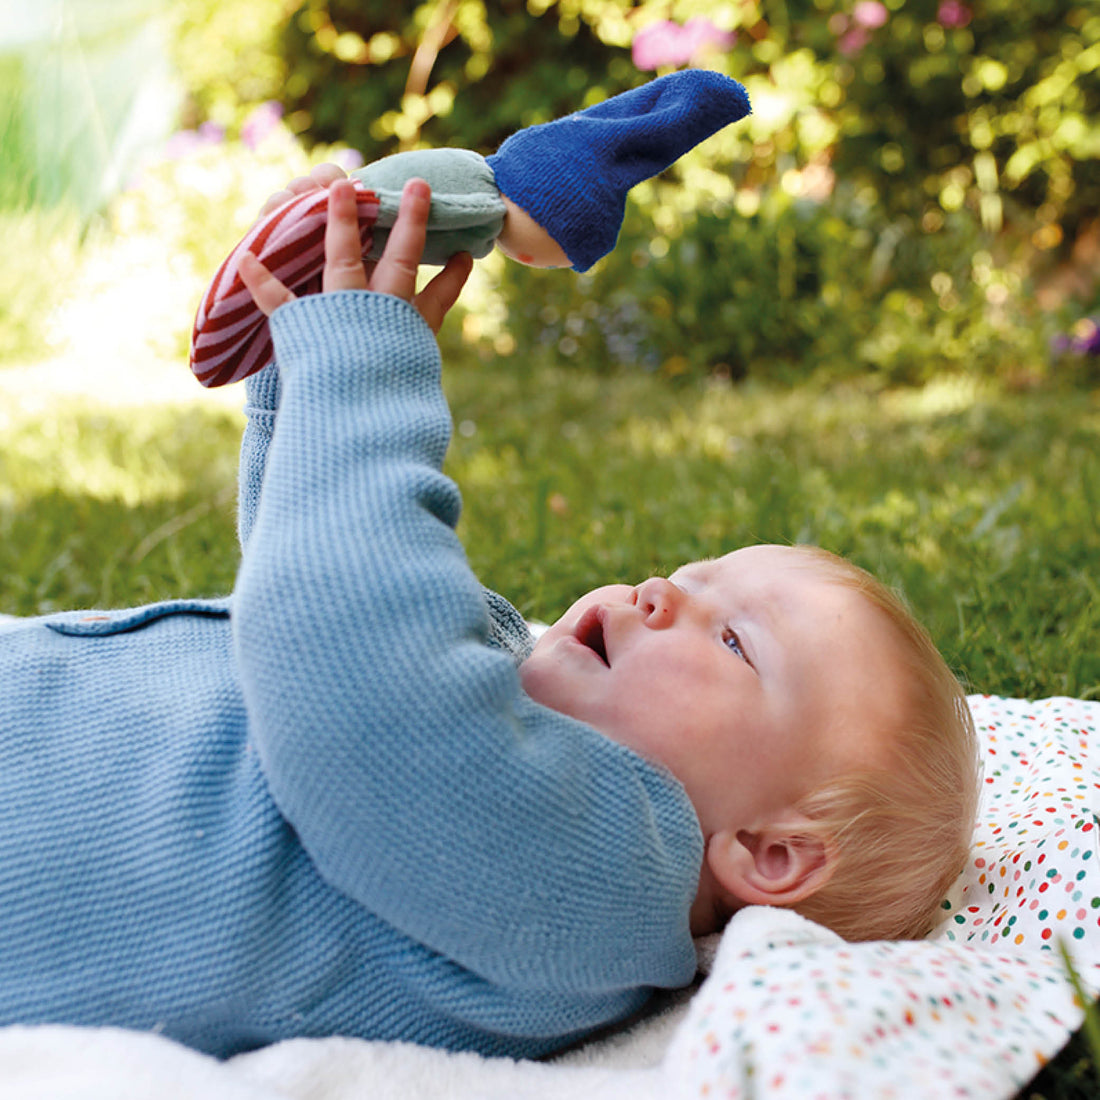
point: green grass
(46, 244)
(110, 509)
(977, 503)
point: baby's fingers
(267, 292)
(327, 174)
(343, 249)
(435, 300)
(396, 270)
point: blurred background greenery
(906, 227)
(910, 207)
(916, 189)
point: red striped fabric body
(230, 339)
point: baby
(831, 762)
(355, 799)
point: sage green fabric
(467, 210)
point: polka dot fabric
(791, 1010)
(1035, 877)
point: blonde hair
(900, 835)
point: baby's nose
(659, 600)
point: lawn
(977, 503)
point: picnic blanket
(788, 1009)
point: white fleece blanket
(788, 1009)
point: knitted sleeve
(507, 628)
(398, 744)
(261, 407)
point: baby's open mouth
(590, 633)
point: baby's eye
(733, 642)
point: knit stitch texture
(326, 806)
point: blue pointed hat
(572, 175)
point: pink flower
(853, 41)
(854, 33)
(702, 35)
(666, 43)
(348, 159)
(656, 45)
(183, 143)
(261, 123)
(953, 13)
(870, 14)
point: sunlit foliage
(905, 197)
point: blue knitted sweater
(326, 806)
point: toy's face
(751, 677)
(524, 240)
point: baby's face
(751, 677)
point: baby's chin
(534, 677)
(545, 680)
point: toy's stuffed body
(467, 212)
(553, 195)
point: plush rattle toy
(553, 195)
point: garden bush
(936, 104)
(797, 286)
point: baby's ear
(780, 863)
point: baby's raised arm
(263, 389)
(395, 740)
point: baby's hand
(395, 272)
